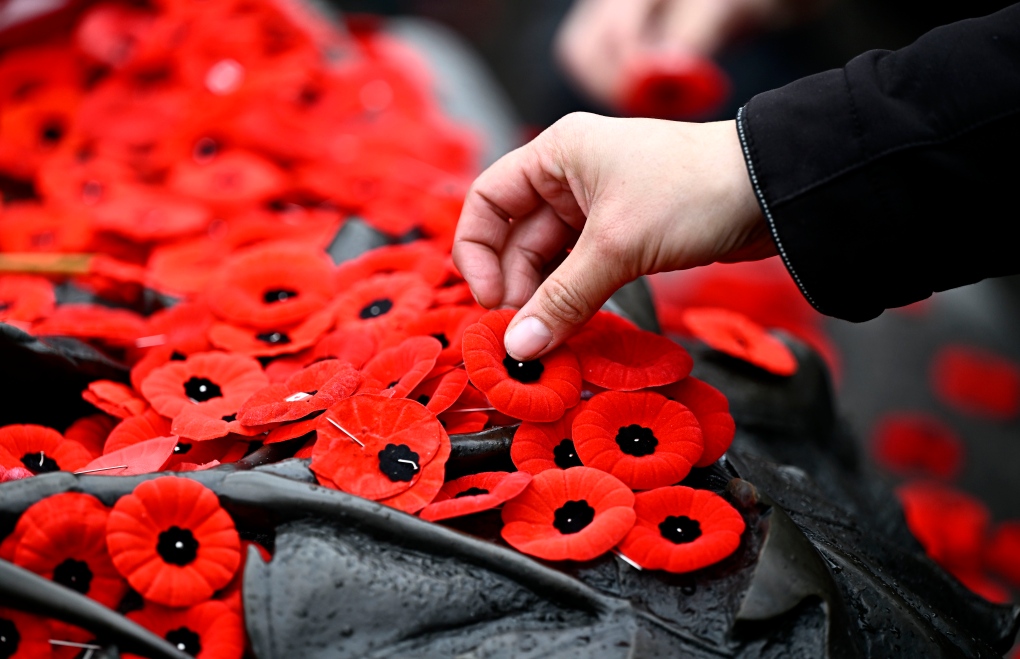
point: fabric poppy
(272, 285)
(475, 493)
(616, 355)
(917, 443)
(209, 630)
(642, 438)
(145, 457)
(419, 256)
(201, 424)
(540, 446)
(91, 321)
(738, 336)
(173, 542)
(456, 423)
(23, 636)
(398, 438)
(293, 430)
(30, 227)
(351, 344)
(144, 214)
(63, 538)
(151, 425)
(439, 393)
(951, 526)
(680, 529)
(284, 340)
(316, 387)
(25, 298)
(427, 486)
(573, 514)
(40, 450)
(676, 87)
(977, 381)
(712, 410)
(403, 367)
(114, 398)
(540, 390)
(979, 584)
(217, 382)
(232, 177)
(91, 432)
(383, 300)
(1002, 551)
(447, 325)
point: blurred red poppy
(387, 300)
(403, 367)
(230, 178)
(977, 381)
(282, 340)
(540, 446)
(674, 87)
(91, 321)
(31, 227)
(475, 493)
(209, 630)
(1002, 550)
(951, 526)
(114, 398)
(25, 298)
(712, 410)
(917, 443)
(738, 336)
(40, 450)
(419, 256)
(23, 636)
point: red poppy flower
(136, 429)
(475, 493)
(201, 424)
(210, 630)
(576, 514)
(25, 298)
(217, 382)
(712, 410)
(456, 423)
(386, 300)
(91, 432)
(917, 443)
(351, 344)
(40, 450)
(680, 529)
(404, 367)
(29, 227)
(90, 321)
(419, 256)
(447, 325)
(270, 286)
(293, 430)
(145, 457)
(439, 393)
(677, 87)
(114, 398)
(424, 490)
(230, 177)
(143, 214)
(540, 390)
(977, 381)
(982, 586)
(316, 387)
(642, 438)
(63, 538)
(283, 340)
(173, 542)
(738, 336)
(1002, 551)
(950, 525)
(391, 441)
(23, 636)
(540, 446)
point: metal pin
(475, 409)
(72, 644)
(344, 431)
(410, 462)
(628, 561)
(92, 471)
(301, 395)
(150, 341)
(42, 456)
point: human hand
(613, 199)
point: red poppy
(680, 529)
(386, 300)
(424, 490)
(977, 381)
(540, 390)
(144, 214)
(23, 636)
(712, 410)
(917, 443)
(950, 525)
(91, 321)
(284, 340)
(29, 227)
(293, 430)
(540, 446)
(737, 335)
(439, 393)
(40, 450)
(63, 538)
(351, 344)
(391, 441)
(642, 438)
(272, 285)
(475, 493)
(25, 298)
(419, 256)
(216, 382)
(145, 457)
(136, 429)
(173, 542)
(576, 514)
(114, 398)
(404, 367)
(456, 423)
(675, 87)
(314, 388)
(982, 586)
(201, 424)
(447, 325)
(616, 355)
(1002, 551)
(209, 630)
(182, 327)
(91, 432)
(231, 177)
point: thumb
(567, 299)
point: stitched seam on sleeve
(744, 145)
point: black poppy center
(376, 308)
(423, 399)
(73, 574)
(177, 546)
(4, 306)
(181, 448)
(471, 492)
(398, 462)
(39, 463)
(636, 440)
(278, 295)
(523, 371)
(10, 639)
(230, 418)
(184, 640)
(565, 455)
(443, 341)
(573, 516)
(273, 338)
(680, 530)
(177, 356)
(202, 389)
(52, 133)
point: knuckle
(565, 303)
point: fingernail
(527, 338)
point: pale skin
(626, 197)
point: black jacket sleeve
(897, 175)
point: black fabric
(895, 176)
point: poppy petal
(438, 394)
(950, 525)
(404, 367)
(540, 446)
(316, 387)
(712, 410)
(475, 493)
(144, 457)
(738, 336)
(977, 381)
(114, 398)
(917, 443)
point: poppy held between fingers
(316, 387)
(173, 542)
(540, 446)
(712, 410)
(576, 514)
(475, 493)
(23, 636)
(680, 529)
(540, 390)
(738, 336)
(40, 450)
(642, 438)
(217, 382)
(403, 367)
(917, 443)
(210, 630)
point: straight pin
(150, 341)
(72, 644)
(344, 431)
(410, 462)
(627, 560)
(42, 456)
(474, 409)
(92, 471)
